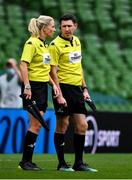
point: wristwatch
(27, 86)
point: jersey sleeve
(28, 52)
(54, 53)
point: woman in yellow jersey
(35, 68)
(67, 73)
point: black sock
(59, 146)
(79, 147)
(29, 144)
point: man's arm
(84, 88)
(55, 88)
(53, 74)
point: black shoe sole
(32, 169)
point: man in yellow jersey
(67, 73)
(35, 68)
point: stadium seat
(99, 80)
(112, 49)
(112, 85)
(128, 57)
(14, 11)
(88, 63)
(5, 31)
(2, 58)
(104, 5)
(89, 81)
(92, 43)
(102, 62)
(125, 36)
(49, 4)
(32, 5)
(122, 11)
(30, 14)
(2, 12)
(66, 7)
(125, 33)
(86, 15)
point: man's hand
(56, 91)
(61, 101)
(85, 94)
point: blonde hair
(36, 24)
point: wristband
(84, 88)
(27, 86)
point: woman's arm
(24, 74)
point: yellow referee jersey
(67, 56)
(38, 58)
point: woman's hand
(27, 93)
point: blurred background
(105, 31)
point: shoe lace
(33, 164)
(85, 164)
(28, 163)
(66, 165)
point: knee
(38, 126)
(81, 128)
(35, 127)
(84, 126)
(62, 127)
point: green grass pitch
(110, 166)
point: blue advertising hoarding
(13, 127)
(108, 132)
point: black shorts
(74, 98)
(39, 94)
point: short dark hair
(68, 16)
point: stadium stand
(105, 30)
